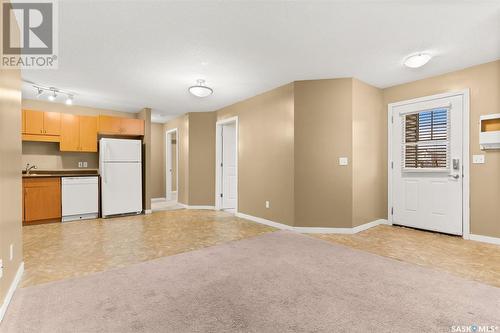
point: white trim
(177, 146)
(147, 211)
(313, 230)
(218, 159)
(264, 221)
(158, 199)
(484, 239)
(12, 289)
(465, 152)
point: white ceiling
(131, 54)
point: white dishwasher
(80, 198)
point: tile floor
(58, 251)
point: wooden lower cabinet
(41, 200)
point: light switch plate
(80, 164)
(478, 159)
(85, 164)
(343, 161)
(11, 256)
(267, 204)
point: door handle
(456, 176)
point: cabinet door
(23, 121)
(131, 126)
(109, 125)
(52, 123)
(88, 134)
(34, 122)
(70, 133)
(42, 199)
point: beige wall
(181, 123)
(369, 154)
(157, 161)
(201, 159)
(47, 155)
(484, 84)
(323, 133)
(10, 177)
(265, 159)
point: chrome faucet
(29, 168)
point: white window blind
(426, 140)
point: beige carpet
(277, 282)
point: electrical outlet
(80, 164)
(267, 204)
(1, 268)
(11, 256)
(478, 159)
(343, 161)
(85, 164)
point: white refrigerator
(120, 166)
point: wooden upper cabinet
(121, 126)
(132, 126)
(88, 134)
(52, 123)
(109, 125)
(78, 133)
(70, 132)
(23, 121)
(34, 122)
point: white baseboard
(158, 199)
(313, 230)
(484, 239)
(264, 221)
(147, 211)
(12, 289)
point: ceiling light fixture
(200, 89)
(53, 93)
(417, 60)
(53, 96)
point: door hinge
(392, 165)
(392, 210)
(221, 165)
(392, 119)
(221, 195)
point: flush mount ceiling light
(200, 89)
(417, 60)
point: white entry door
(229, 165)
(427, 172)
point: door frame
(465, 153)
(167, 134)
(218, 160)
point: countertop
(61, 173)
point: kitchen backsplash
(47, 156)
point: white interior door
(229, 165)
(427, 173)
(169, 166)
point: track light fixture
(54, 93)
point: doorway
(226, 165)
(172, 158)
(429, 163)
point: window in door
(426, 142)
